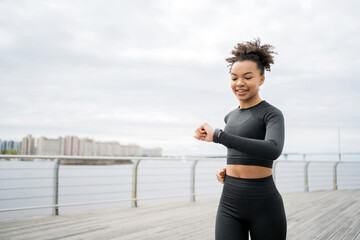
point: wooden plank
(311, 215)
(348, 229)
(327, 214)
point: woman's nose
(240, 82)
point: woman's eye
(248, 78)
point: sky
(151, 72)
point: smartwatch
(216, 134)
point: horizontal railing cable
(310, 173)
(100, 202)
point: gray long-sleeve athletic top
(254, 135)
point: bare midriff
(248, 171)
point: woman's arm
(269, 148)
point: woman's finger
(220, 179)
(201, 129)
(200, 133)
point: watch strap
(216, 134)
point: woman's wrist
(216, 135)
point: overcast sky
(151, 72)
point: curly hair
(253, 51)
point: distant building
(28, 145)
(86, 147)
(17, 145)
(70, 145)
(152, 152)
(9, 145)
(109, 149)
(46, 146)
(133, 150)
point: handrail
(135, 166)
(94, 158)
(285, 155)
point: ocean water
(30, 183)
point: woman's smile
(241, 92)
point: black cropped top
(253, 136)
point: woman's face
(245, 82)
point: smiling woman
(246, 80)
(254, 137)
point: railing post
(192, 184)
(56, 186)
(335, 186)
(274, 171)
(306, 176)
(134, 183)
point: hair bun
(254, 51)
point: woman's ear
(262, 79)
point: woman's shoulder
(269, 110)
(270, 107)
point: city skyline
(75, 146)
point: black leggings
(250, 205)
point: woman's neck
(250, 103)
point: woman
(254, 137)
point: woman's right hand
(205, 133)
(200, 133)
(220, 175)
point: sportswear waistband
(249, 188)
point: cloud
(151, 72)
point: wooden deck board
(330, 215)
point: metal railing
(135, 161)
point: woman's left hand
(205, 132)
(221, 174)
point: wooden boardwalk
(311, 215)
